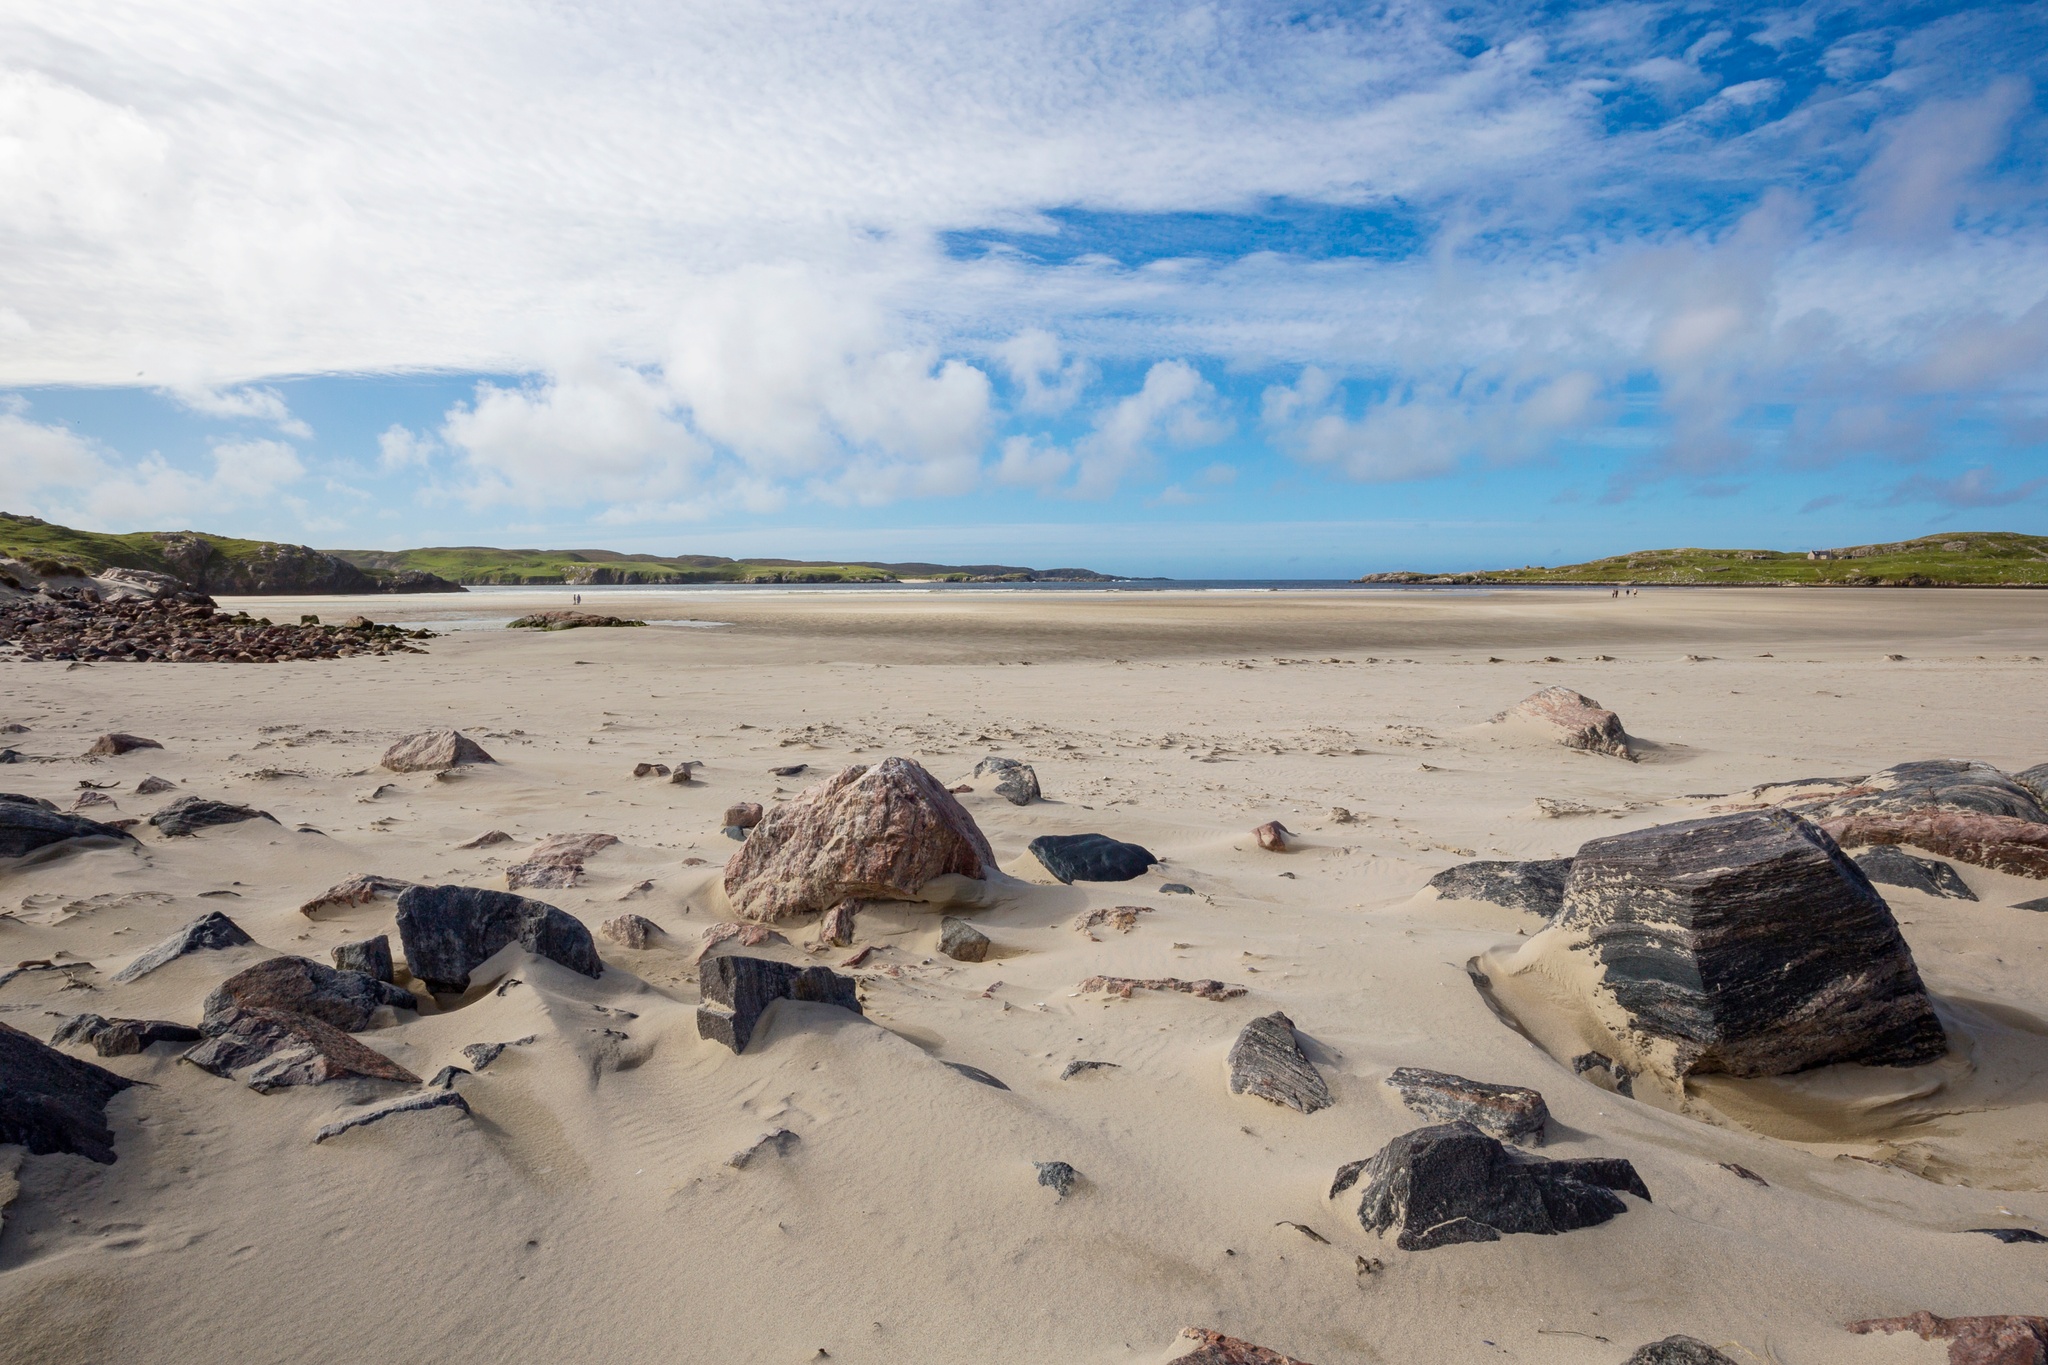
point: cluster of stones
(79, 627)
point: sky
(1204, 290)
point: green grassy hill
(1957, 559)
(202, 562)
(482, 564)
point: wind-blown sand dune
(589, 1206)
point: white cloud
(596, 433)
(256, 403)
(155, 494)
(1174, 406)
(1033, 358)
(39, 456)
(400, 447)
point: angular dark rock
(1076, 1068)
(50, 1102)
(1057, 1176)
(371, 957)
(299, 985)
(190, 814)
(275, 1049)
(1267, 1061)
(361, 889)
(2039, 904)
(1678, 1350)
(448, 931)
(28, 828)
(1537, 887)
(211, 930)
(975, 1074)
(631, 931)
(152, 785)
(1890, 865)
(445, 1098)
(121, 1037)
(737, 990)
(1452, 1183)
(961, 941)
(2035, 780)
(434, 751)
(1016, 783)
(2011, 1236)
(1090, 857)
(116, 744)
(1512, 1113)
(444, 1079)
(1753, 943)
(1213, 1348)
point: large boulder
(1751, 945)
(1571, 719)
(738, 990)
(271, 1049)
(189, 814)
(1453, 1183)
(870, 833)
(53, 1103)
(1090, 857)
(1954, 807)
(448, 931)
(299, 985)
(211, 930)
(1267, 1060)
(30, 830)
(433, 751)
(1537, 887)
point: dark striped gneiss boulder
(737, 991)
(53, 1103)
(1537, 887)
(1753, 944)
(1957, 808)
(448, 932)
(1890, 865)
(1267, 1060)
(1090, 857)
(189, 814)
(29, 829)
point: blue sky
(1192, 289)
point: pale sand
(586, 1212)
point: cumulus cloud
(154, 492)
(251, 402)
(39, 456)
(1034, 361)
(598, 432)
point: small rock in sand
(444, 1097)
(272, 1049)
(1090, 857)
(631, 931)
(1511, 1113)
(737, 990)
(1175, 889)
(116, 744)
(210, 930)
(448, 931)
(371, 957)
(781, 1142)
(1016, 782)
(360, 889)
(1057, 1176)
(1206, 1347)
(650, 770)
(1122, 986)
(961, 941)
(189, 814)
(836, 926)
(1076, 1068)
(743, 815)
(556, 861)
(496, 836)
(1678, 1350)
(1267, 1061)
(747, 935)
(1890, 865)
(28, 828)
(432, 751)
(1122, 918)
(1272, 836)
(150, 786)
(1341, 816)
(1537, 887)
(121, 1037)
(1575, 721)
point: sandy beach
(585, 1209)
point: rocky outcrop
(1752, 945)
(1453, 1183)
(556, 861)
(121, 1037)
(188, 815)
(1090, 857)
(879, 833)
(1537, 887)
(272, 1049)
(1995, 841)
(738, 990)
(568, 620)
(371, 957)
(1959, 809)
(433, 751)
(1016, 783)
(448, 931)
(1573, 720)
(1512, 1113)
(30, 830)
(442, 1098)
(1890, 865)
(357, 890)
(631, 931)
(212, 930)
(115, 744)
(1267, 1061)
(961, 941)
(299, 985)
(81, 627)
(1122, 986)
(1678, 1350)
(1206, 1347)
(53, 1103)
(1994, 1339)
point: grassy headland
(477, 564)
(1957, 559)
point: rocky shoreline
(75, 626)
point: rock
(189, 814)
(16, 798)
(299, 985)
(1340, 815)
(29, 830)
(781, 1142)
(116, 744)
(1452, 1183)
(1175, 889)
(1057, 1176)
(737, 990)
(92, 798)
(1122, 918)
(879, 833)
(569, 620)
(1999, 1339)
(481, 1055)
(631, 931)
(2035, 780)
(1575, 721)
(1272, 836)
(150, 786)
(122, 1037)
(961, 941)
(1753, 944)
(53, 1103)
(684, 773)
(650, 770)
(1016, 782)
(1994, 841)
(2011, 1236)
(975, 1074)
(448, 931)
(432, 751)
(1512, 1113)
(1090, 857)
(1968, 811)
(211, 930)
(444, 1097)
(1678, 1350)
(1122, 986)
(747, 935)
(444, 1079)
(836, 926)
(2038, 904)
(743, 815)
(788, 770)
(357, 890)
(1213, 1348)
(1267, 1061)
(272, 1049)
(556, 861)
(1076, 1068)
(1537, 887)
(371, 957)
(1889, 865)
(488, 838)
